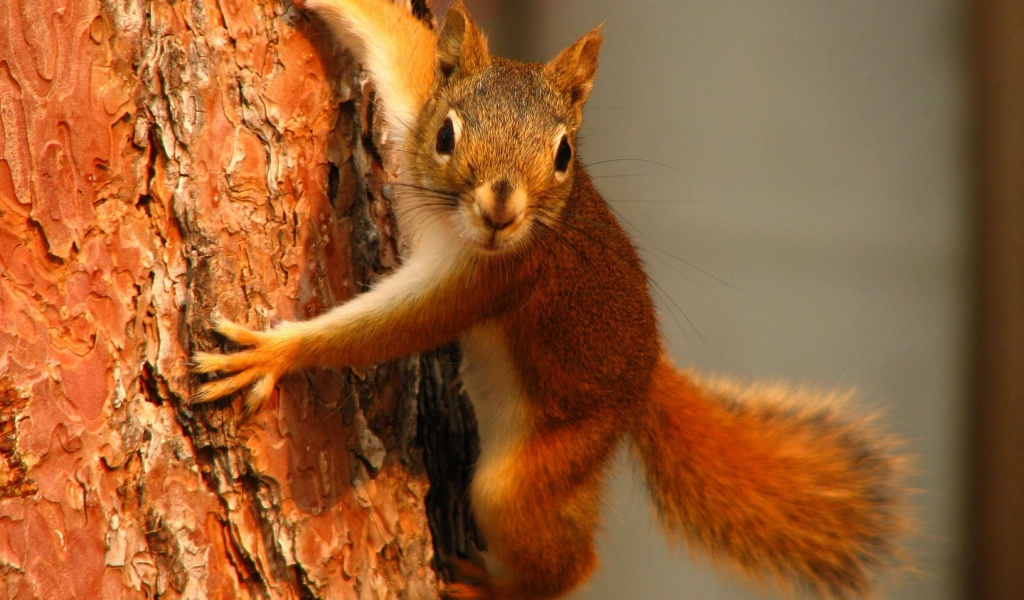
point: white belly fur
(492, 383)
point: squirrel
(513, 252)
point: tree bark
(163, 162)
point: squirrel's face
(498, 147)
(492, 154)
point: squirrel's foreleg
(429, 300)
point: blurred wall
(810, 222)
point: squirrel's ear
(461, 46)
(573, 70)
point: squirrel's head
(495, 146)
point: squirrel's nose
(499, 204)
(499, 221)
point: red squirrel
(514, 253)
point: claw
(463, 591)
(254, 368)
(207, 362)
(213, 390)
(258, 394)
(238, 334)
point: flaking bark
(163, 162)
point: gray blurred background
(800, 178)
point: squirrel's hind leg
(471, 580)
(538, 510)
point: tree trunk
(165, 161)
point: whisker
(620, 160)
(663, 252)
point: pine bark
(164, 162)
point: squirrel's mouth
(496, 216)
(493, 240)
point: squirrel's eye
(563, 155)
(446, 137)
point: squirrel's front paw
(258, 367)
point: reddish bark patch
(14, 480)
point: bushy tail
(396, 48)
(771, 482)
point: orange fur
(562, 356)
(393, 45)
(382, 324)
(770, 481)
